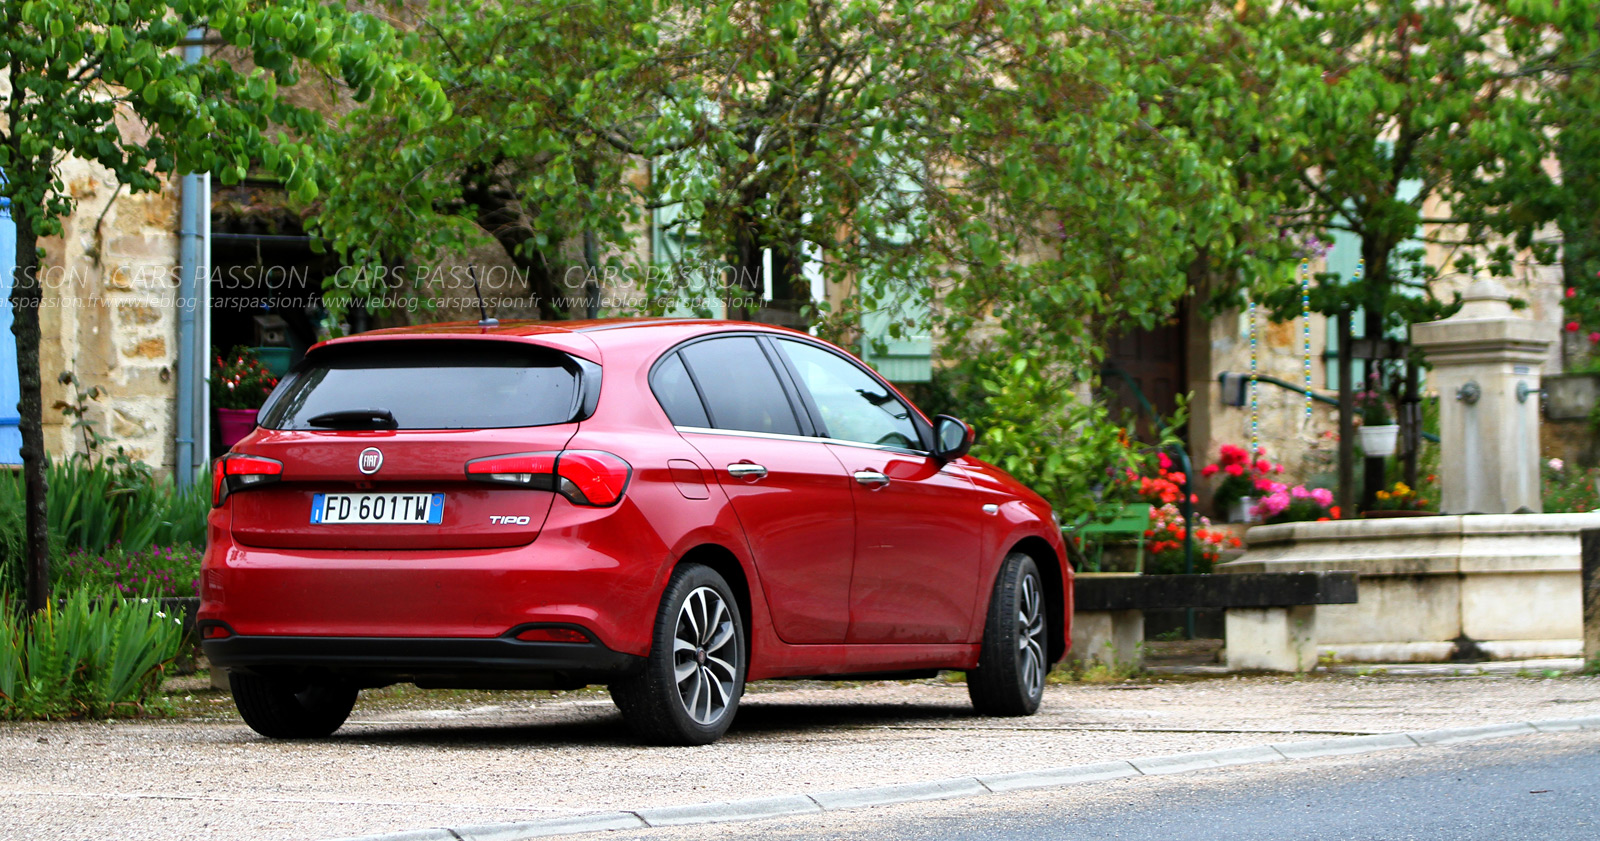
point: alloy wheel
(1030, 635)
(705, 654)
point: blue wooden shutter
(10, 393)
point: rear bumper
(443, 662)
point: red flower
(1571, 292)
(1163, 460)
(1235, 469)
(1572, 327)
(1209, 470)
(1264, 466)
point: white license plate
(397, 509)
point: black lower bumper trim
(461, 662)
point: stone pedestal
(1273, 639)
(1486, 362)
(1112, 638)
(1591, 597)
(1494, 587)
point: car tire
(280, 710)
(1013, 660)
(689, 689)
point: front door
(918, 522)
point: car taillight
(592, 477)
(586, 477)
(235, 472)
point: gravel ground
(411, 759)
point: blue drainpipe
(191, 358)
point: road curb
(861, 798)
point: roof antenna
(483, 315)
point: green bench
(1131, 520)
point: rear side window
(742, 391)
(675, 391)
(428, 385)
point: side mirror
(952, 438)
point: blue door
(10, 433)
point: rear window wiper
(355, 419)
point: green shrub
(103, 506)
(88, 657)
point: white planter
(1239, 510)
(1378, 440)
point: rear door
(919, 523)
(791, 495)
(375, 436)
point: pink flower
(1163, 460)
(1322, 496)
(1571, 292)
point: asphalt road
(1543, 788)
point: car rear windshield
(427, 385)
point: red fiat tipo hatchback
(668, 507)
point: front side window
(854, 406)
(741, 390)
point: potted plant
(1398, 500)
(1243, 481)
(240, 383)
(1378, 434)
(1296, 504)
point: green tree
(106, 82)
(547, 103)
(1424, 124)
(1573, 94)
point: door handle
(746, 470)
(871, 478)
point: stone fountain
(1490, 578)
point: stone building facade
(110, 318)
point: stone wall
(110, 315)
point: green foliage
(1058, 165)
(1409, 106)
(84, 73)
(95, 506)
(1032, 423)
(91, 657)
(543, 103)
